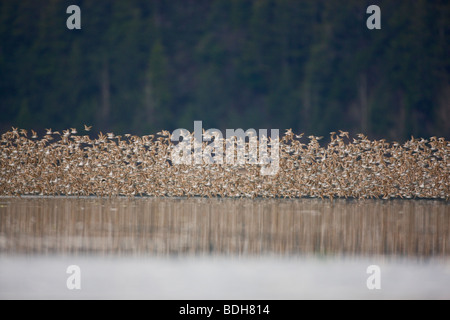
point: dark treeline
(144, 65)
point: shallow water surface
(155, 226)
(221, 278)
(170, 248)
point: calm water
(165, 248)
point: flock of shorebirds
(69, 163)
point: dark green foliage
(141, 66)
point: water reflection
(168, 226)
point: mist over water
(179, 248)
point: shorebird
(112, 165)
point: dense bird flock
(68, 163)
